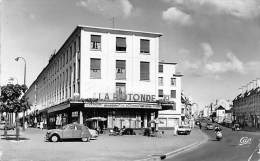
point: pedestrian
(200, 125)
(41, 125)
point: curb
(158, 157)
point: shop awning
(168, 106)
(59, 107)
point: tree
(13, 101)
(187, 104)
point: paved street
(104, 148)
(228, 149)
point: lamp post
(24, 82)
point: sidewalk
(126, 148)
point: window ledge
(94, 78)
(95, 49)
(142, 53)
(145, 80)
(121, 51)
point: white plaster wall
(90, 88)
(168, 71)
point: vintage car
(209, 126)
(94, 133)
(184, 129)
(69, 131)
(128, 131)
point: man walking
(200, 125)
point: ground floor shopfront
(248, 120)
(101, 114)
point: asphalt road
(235, 146)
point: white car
(94, 133)
(184, 130)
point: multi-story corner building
(169, 87)
(246, 105)
(104, 73)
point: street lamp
(24, 82)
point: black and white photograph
(129, 80)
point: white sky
(216, 43)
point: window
(173, 81)
(74, 72)
(120, 90)
(70, 52)
(61, 62)
(67, 55)
(160, 80)
(75, 48)
(160, 93)
(173, 93)
(160, 68)
(120, 44)
(144, 46)
(78, 69)
(64, 59)
(95, 71)
(144, 71)
(120, 70)
(95, 42)
(70, 74)
(79, 44)
(182, 111)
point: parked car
(184, 129)
(7, 126)
(69, 131)
(94, 133)
(128, 131)
(197, 122)
(236, 127)
(209, 126)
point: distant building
(220, 114)
(246, 105)
(110, 73)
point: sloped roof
(220, 108)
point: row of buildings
(246, 105)
(220, 111)
(108, 73)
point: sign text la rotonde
(130, 97)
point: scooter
(219, 135)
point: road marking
(250, 157)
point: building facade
(101, 73)
(246, 105)
(169, 89)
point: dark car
(69, 131)
(128, 131)
(184, 129)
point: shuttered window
(173, 81)
(160, 80)
(144, 71)
(160, 93)
(173, 93)
(120, 70)
(160, 68)
(120, 44)
(96, 42)
(95, 70)
(144, 46)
